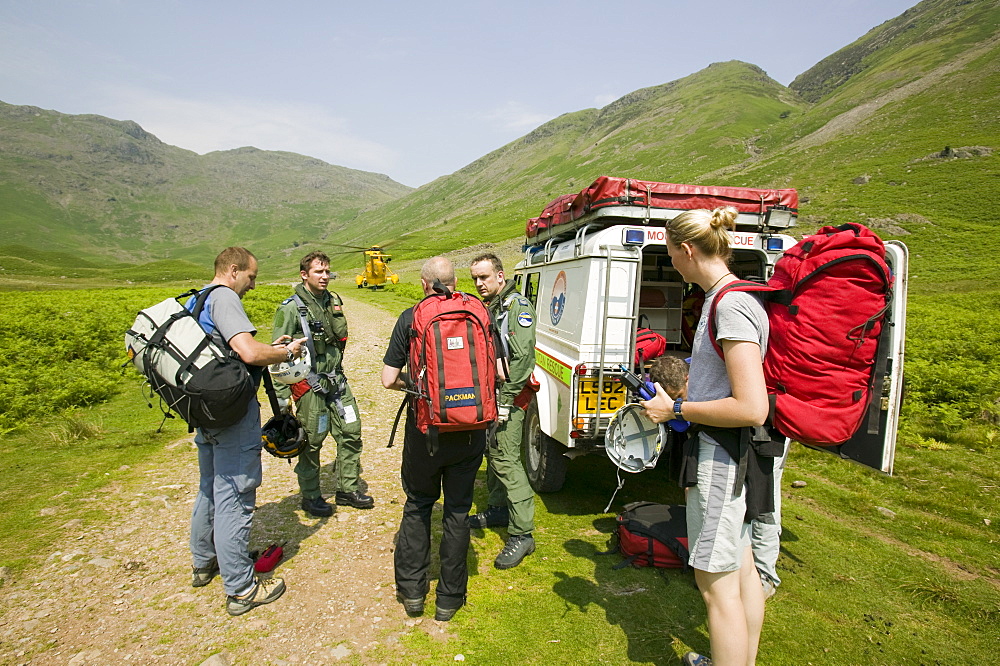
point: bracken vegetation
(65, 349)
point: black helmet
(283, 436)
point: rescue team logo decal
(558, 303)
(524, 319)
(460, 397)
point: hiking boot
(355, 498)
(518, 547)
(695, 659)
(413, 607)
(264, 592)
(444, 613)
(494, 516)
(202, 576)
(317, 506)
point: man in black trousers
(452, 467)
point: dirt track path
(120, 592)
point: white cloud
(517, 117)
(207, 125)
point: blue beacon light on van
(775, 244)
(635, 237)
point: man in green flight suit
(325, 402)
(511, 499)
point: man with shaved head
(437, 269)
(451, 467)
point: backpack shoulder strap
(202, 298)
(198, 308)
(501, 323)
(303, 310)
(764, 291)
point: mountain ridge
(92, 181)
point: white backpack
(208, 385)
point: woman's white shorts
(717, 535)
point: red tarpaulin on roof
(608, 191)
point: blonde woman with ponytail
(724, 392)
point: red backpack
(651, 535)
(453, 363)
(826, 304)
(648, 345)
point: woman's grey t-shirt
(741, 317)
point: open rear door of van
(874, 444)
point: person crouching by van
(451, 468)
(724, 394)
(229, 458)
(511, 502)
(671, 373)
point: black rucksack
(208, 385)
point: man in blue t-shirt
(229, 458)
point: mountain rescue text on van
(596, 266)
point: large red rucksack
(826, 304)
(453, 363)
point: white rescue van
(597, 271)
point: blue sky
(415, 90)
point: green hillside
(108, 190)
(903, 135)
(674, 132)
(877, 110)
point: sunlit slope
(673, 132)
(876, 111)
(905, 138)
(857, 134)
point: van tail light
(581, 369)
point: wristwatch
(288, 354)
(677, 408)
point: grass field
(876, 569)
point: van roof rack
(610, 200)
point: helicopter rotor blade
(353, 247)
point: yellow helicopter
(377, 271)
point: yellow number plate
(612, 399)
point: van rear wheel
(541, 455)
